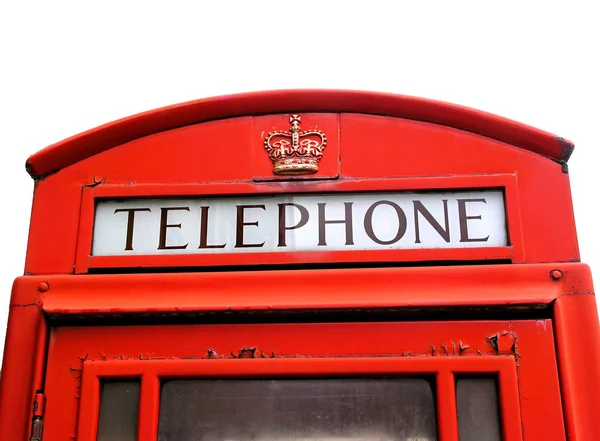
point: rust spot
(444, 349)
(433, 349)
(212, 353)
(462, 347)
(84, 357)
(478, 351)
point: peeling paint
(95, 182)
(493, 342)
(247, 352)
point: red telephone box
(303, 265)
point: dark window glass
(295, 410)
(119, 406)
(477, 409)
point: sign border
(507, 182)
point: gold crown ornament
(295, 152)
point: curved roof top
(107, 136)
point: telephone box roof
(76, 148)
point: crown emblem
(295, 152)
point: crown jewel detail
(295, 152)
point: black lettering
(463, 218)
(347, 221)
(204, 230)
(369, 223)
(130, 220)
(282, 221)
(240, 224)
(443, 232)
(162, 240)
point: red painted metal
(446, 405)
(22, 369)
(578, 341)
(98, 140)
(444, 371)
(458, 286)
(308, 349)
(183, 160)
(504, 285)
(149, 407)
(376, 142)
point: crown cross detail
(295, 152)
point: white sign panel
(276, 223)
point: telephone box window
(119, 405)
(399, 409)
(477, 409)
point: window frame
(444, 369)
(520, 352)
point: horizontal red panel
(306, 289)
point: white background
(66, 67)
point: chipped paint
(493, 342)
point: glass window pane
(477, 408)
(119, 406)
(298, 409)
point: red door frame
(78, 356)
(565, 288)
